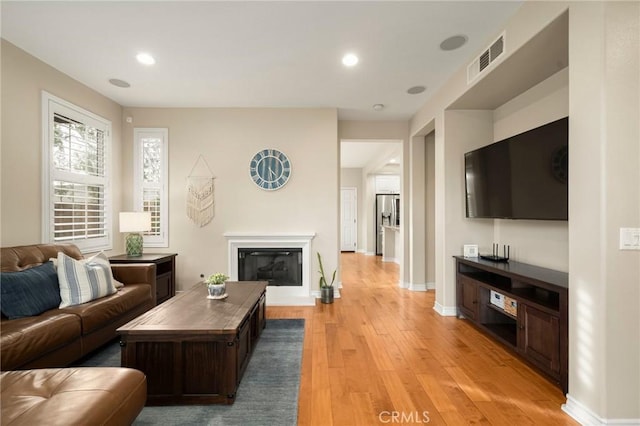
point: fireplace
(278, 266)
(269, 249)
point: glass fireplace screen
(278, 266)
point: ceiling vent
(482, 62)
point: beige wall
(417, 214)
(391, 130)
(23, 79)
(370, 214)
(604, 195)
(353, 178)
(543, 243)
(227, 139)
(464, 130)
(429, 215)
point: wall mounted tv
(521, 177)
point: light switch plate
(629, 238)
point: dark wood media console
(535, 321)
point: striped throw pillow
(84, 280)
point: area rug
(268, 392)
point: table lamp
(134, 223)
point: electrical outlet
(629, 238)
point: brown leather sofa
(58, 337)
(72, 396)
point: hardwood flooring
(382, 355)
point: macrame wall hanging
(200, 193)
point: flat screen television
(521, 177)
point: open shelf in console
(493, 279)
(498, 322)
(544, 298)
(506, 332)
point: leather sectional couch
(58, 337)
(35, 393)
(72, 396)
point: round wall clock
(270, 169)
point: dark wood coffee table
(194, 350)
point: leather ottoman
(72, 396)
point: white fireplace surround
(298, 295)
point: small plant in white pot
(216, 285)
(326, 288)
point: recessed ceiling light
(349, 60)
(454, 42)
(416, 89)
(393, 160)
(118, 82)
(145, 58)
(378, 107)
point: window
(76, 165)
(150, 176)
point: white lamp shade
(135, 221)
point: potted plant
(216, 285)
(326, 288)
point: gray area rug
(268, 392)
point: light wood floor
(382, 355)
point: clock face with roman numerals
(270, 169)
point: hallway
(381, 355)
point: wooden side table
(165, 271)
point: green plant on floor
(217, 278)
(323, 279)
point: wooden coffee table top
(190, 312)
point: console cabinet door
(467, 297)
(539, 338)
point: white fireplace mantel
(300, 295)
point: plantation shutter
(150, 186)
(78, 193)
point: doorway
(348, 219)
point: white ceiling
(258, 54)
(363, 154)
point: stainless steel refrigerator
(387, 214)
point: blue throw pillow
(29, 292)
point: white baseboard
(279, 300)
(445, 311)
(363, 251)
(369, 253)
(389, 259)
(586, 417)
(418, 287)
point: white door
(349, 219)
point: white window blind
(76, 190)
(151, 182)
